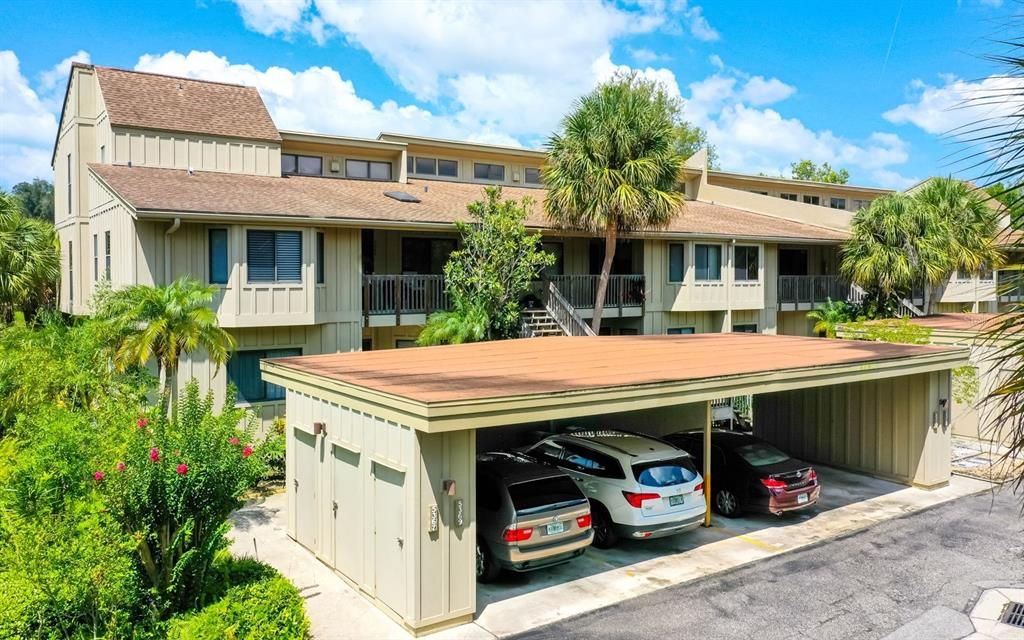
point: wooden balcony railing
(399, 295)
(812, 289)
(624, 291)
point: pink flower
(234, 441)
(247, 451)
(142, 423)
(154, 454)
(98, 476)
(182, 469)
(120, 467)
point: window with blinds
(274, 256)
(218, 241)
(244, 373)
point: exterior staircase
(538, 323)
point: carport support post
(707, 464)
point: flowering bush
(174, 486)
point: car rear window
(546, 493)
(761, 454)
(665, 473)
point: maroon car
(749, 474)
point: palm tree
(828, 318)
(162, 323)
(29, 260)
(614, 167)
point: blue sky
(868, 85)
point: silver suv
(639, 487)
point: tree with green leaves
(29, 261)
(35, 198)
(489, 273)
(808, 170)
(828, 317)
(162, 323)
(901, 241)
(614, 166)
(689, 139)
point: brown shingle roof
(560, 364)
(171, 190)
(151, 101)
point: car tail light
(636, 500)
(772, 483)
(583, 521)
(812, 476)
(513, 534)
(699, 488)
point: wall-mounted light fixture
(319, 429)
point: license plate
(802, 498)
(556, 527)
(675, 501)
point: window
(531, 175)
(681, 331)
(421, 166)
(665, 473)
(676, 262)
(218, 247)
(745, 264)
(95, 257)
(558, 250)
(69, 184)
(591, 462)
(788, 196)
(320, 267)
(484, 171)
(103, 154)
(860, 204)
(837, 203)
(368, 170)
(812, 200)
(744, 328)
(71, 273)
(367, 344)
(708, 259)
(292, 164)
(106, 254)
(426, 255)
(274, 256)
(244, 373)
(760, 193)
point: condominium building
(321, 243)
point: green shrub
(267, 609)
(174, 486)
(272, 449)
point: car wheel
(726, 503)
(487, 569)
(601, 522)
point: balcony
(803, 293)
(391, 300)
(623, 298)
(1010, 286)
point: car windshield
(547, 493)
(761, 454)
(665, 473)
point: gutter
(167, 248)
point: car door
(585, 466)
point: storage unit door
(348, 514)
(389, 537)
(306, 504)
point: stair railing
(564, 313)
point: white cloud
(956, 104)
(53, 79)
(643, 55)
(699, 25)
(271, 17)
(27, 126)
(758, 91)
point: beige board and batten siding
(146, 148)
(361, 497)
(893, 428)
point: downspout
(167, 248)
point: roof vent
(401, 196)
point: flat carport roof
(486, 384)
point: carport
(382, 444)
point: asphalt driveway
(912, 577)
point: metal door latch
(334, 507)
(400, 542)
